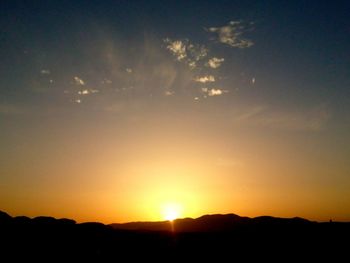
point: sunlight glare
(172, 211)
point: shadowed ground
(217, 237)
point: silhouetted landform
(212, 223)
(216, 237)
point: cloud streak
(86, 91)
(308, 120)
(231, 35)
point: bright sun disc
(171, 211)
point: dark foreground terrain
(214, 237)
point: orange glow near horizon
(158, 181)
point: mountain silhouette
(218, 237)
(213, 223)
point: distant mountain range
(212, 223)
(206, 223)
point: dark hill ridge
(216, 236)
(212, 223)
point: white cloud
(187, 52)
(45, 71)
(215, 92)
(231, 35)
(215, 62)
(205, 79)
(83, 92)
(79, 81)
(86, 91)
(177, 48)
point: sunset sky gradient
(112, 111)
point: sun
(171, 211)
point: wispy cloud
(308, 120)
(231, 34)
(150, 73)
(250, 114)
(215, 62)
(45, 72)
(205, 79)
(79, 81)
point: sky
(118, 111)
